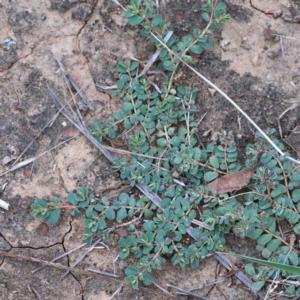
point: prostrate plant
(166, 159)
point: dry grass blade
(187, 292)
(31, 289)
(113, 87)
(74, 270)
(121, 151)
(30, 160)
(82, 128)
(86, 252)
(59, 257)
(4, 204)
(104, 273)
(55, 265)
(48, 124)
(79, 92)
(295, 104)
(116, 292)
(154, 56)
(164, 290)
(239, 275)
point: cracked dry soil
(89, 37)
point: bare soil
(253, 60)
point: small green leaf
(83, 192)
(290, 290)
(134, 20)
(249, 269)
(280, 189)
(214, 161)
(297, 229)
(296, 195)
(264, 239)
(157, 19)
(273, 245)
(266, 253)
(209, 176)
(41, 202)
(76, 212)
(293, 258)
(169, 65)
(257, 286)
(130, 271)
(53, 216)
(121, 214)
(124, 253)
(162, 142)
(99, 207)
(127, 107)
(124, 243)
(196, 49)
(110, 214)
(187, 58)
(101, 224)
(145, 277)
(149, 226)
(74, 199)
(176, 141)
(206, 16)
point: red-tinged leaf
(231, 182)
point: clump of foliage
(166, 158)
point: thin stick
(58, 257)
(154, 56)
(240, 275)
(284, 36)
(47, 124)
(78, 260)
(282, 49)
(116, 292)
(206, 285)
(74, 270)
(35, 292)
(229, 99)
(164, 290)
(55, 265)
(117, 2)
(4, 204)
(187, 292)
(30, 160)
(104, 273)
(296, 57)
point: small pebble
(255, 59)
(212, 91)
(43, 18)
(277, 13)
(9, 44)
(173, 91)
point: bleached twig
(4, 204)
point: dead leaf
(231, 182)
